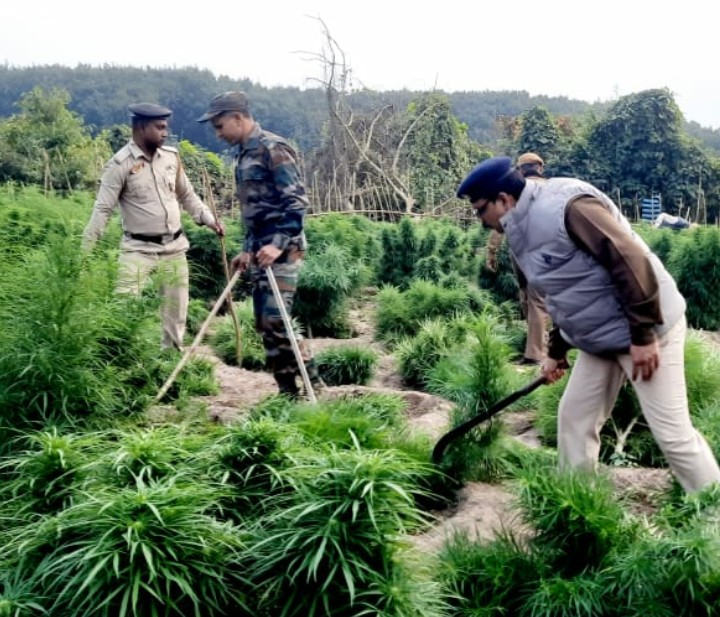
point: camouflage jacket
(271, 193)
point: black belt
(166, 239)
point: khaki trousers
(537, 318)
(171, 272)
(590, 395)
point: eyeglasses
(481, 210)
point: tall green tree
(439, 151)
(48, 145)
(540, 133)
(638, 143)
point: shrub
(345, 365)
(146, 455)
(336, 544)
(693, 264)
(205, 257)
(479, 376)
(327, 279)
(702, 371)
(417, 355)
(70, 346)
(674, 573)
(197, 378)
(399, 254)
(224, 339)
(251, 459)
(356, 234)
(41, 476)
(474, 377)
(577, 519)
(370, 420)
(556, 596)
(493, 578)
(149, 549)
(197, 314)
(401, 313)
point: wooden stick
(291, 335)
(231, 308)
(198, 338)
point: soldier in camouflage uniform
(273, 208)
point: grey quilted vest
(579, 294)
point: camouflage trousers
(279, 355)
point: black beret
(149, 110)
(483, 180)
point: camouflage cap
(227, 101)
(149, 110)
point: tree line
(388, 152)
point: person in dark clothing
(531, 165)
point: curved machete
(465, 427)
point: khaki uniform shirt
(150, 194)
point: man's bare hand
(241, 262)
(553, 370)
(645, 359)
(267, 255)
(218, 228)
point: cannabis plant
(326, 551)
(345, 365)
(224, 339)
(139, 551)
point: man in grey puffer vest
(609, 296)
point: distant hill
(101, 96)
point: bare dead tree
(361, 159)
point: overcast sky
(593, 51)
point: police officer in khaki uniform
(532, 166)
(147, 180)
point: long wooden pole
(198, 338)
(231, 308)
(291, 334)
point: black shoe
(287, 386)
(528, 362)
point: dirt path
(481, 508)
